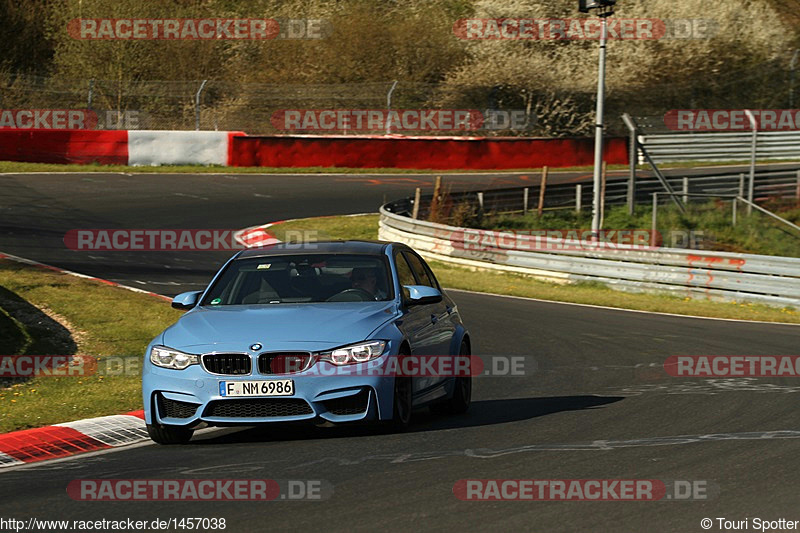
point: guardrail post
(415, 210)
(578, 197)
(633, 156)
(685, 190)
(480, 200)
(741, 184)
(603, 174)
(541, 191)
(655, 220)
(753, 148)
(797, 191)
(525, 194)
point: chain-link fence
(502, 109)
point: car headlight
(356, 353)
(169, 358)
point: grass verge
(709, 224)
(366, 227)
(113, 324)
(17, 167)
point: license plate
(273, 387)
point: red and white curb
(80, 436)
(71, 438)
(256, 236)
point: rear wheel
(462, 394)
(169, 434)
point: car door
(441, 329)
(417, 325)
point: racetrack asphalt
(593, 403)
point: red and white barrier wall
(155, 147)
(445, 153)
(117, 147)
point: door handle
(434, 319)
(449, 309)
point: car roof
(321, 247)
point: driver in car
(366, 280)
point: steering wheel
(352, 295)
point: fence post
(91, 94)
(654, 220)
(542, 188)
(525, 194)
(415, 210)
(578, 197)
(480, 200)
(437, 189)
(735, 200)
(389, 107)
(197, 105)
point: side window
(404, 274)
(420, 271)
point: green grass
(710, 222)
(363, 227)
(14, 339)
(15, 167)
(366, 227)
(112, 322)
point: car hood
(277, 326)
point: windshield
(302, 278)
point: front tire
(402, 404)
(169, 434)
(459, 402)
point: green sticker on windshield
(263, 266)
(215, 301)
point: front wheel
(462, 394)
(403, 402)
(169, 434)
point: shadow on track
(481, 413)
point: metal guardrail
(768, 184)
(720, 146)
(709, 275)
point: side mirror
(421, 295)
(186, 300)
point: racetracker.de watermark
(184, 240)
(406, 366)
(29, 366)
(732, 119)
(211, 29)
(475, 240)
(756, 366)
(48, 119)
(550, 490)
(401, 120)
(556, 29)
(105, 490)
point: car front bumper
(192, 396)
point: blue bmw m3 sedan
(317, 332)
